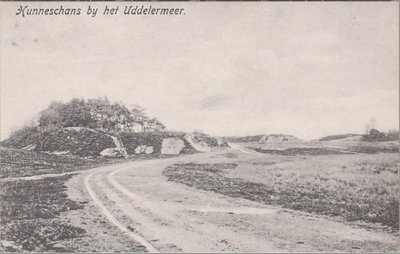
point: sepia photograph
(199, 127)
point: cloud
(215, 102)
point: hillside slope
(86, 142)
(373, 136)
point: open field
(323, 148)
(352, 187)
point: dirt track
(139, 203)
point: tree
(154, 124)
(370, 125)
(51, 117)
(139, 116)
(100, 110)
(76, 113)
(97, 113)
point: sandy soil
(132, 204)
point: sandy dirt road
(139, 203)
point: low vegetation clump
(26, 136)
(17, 163)
(372, 199)
(29, 215)
(373, 149)
(377, 136)
(199, 137)
(299, 151)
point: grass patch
(325, 148)
(299, 151)
(370, 201)
(18, 163)
(29, 215)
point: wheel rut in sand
(113, 220)
(166, 235)
(176, 223)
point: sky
(228, 69)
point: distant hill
(340, 136)
(373, 136)
(262, 138)
(377, 136)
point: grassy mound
(86, 142)
(132, 140)
(77, 141)
(80, 141)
